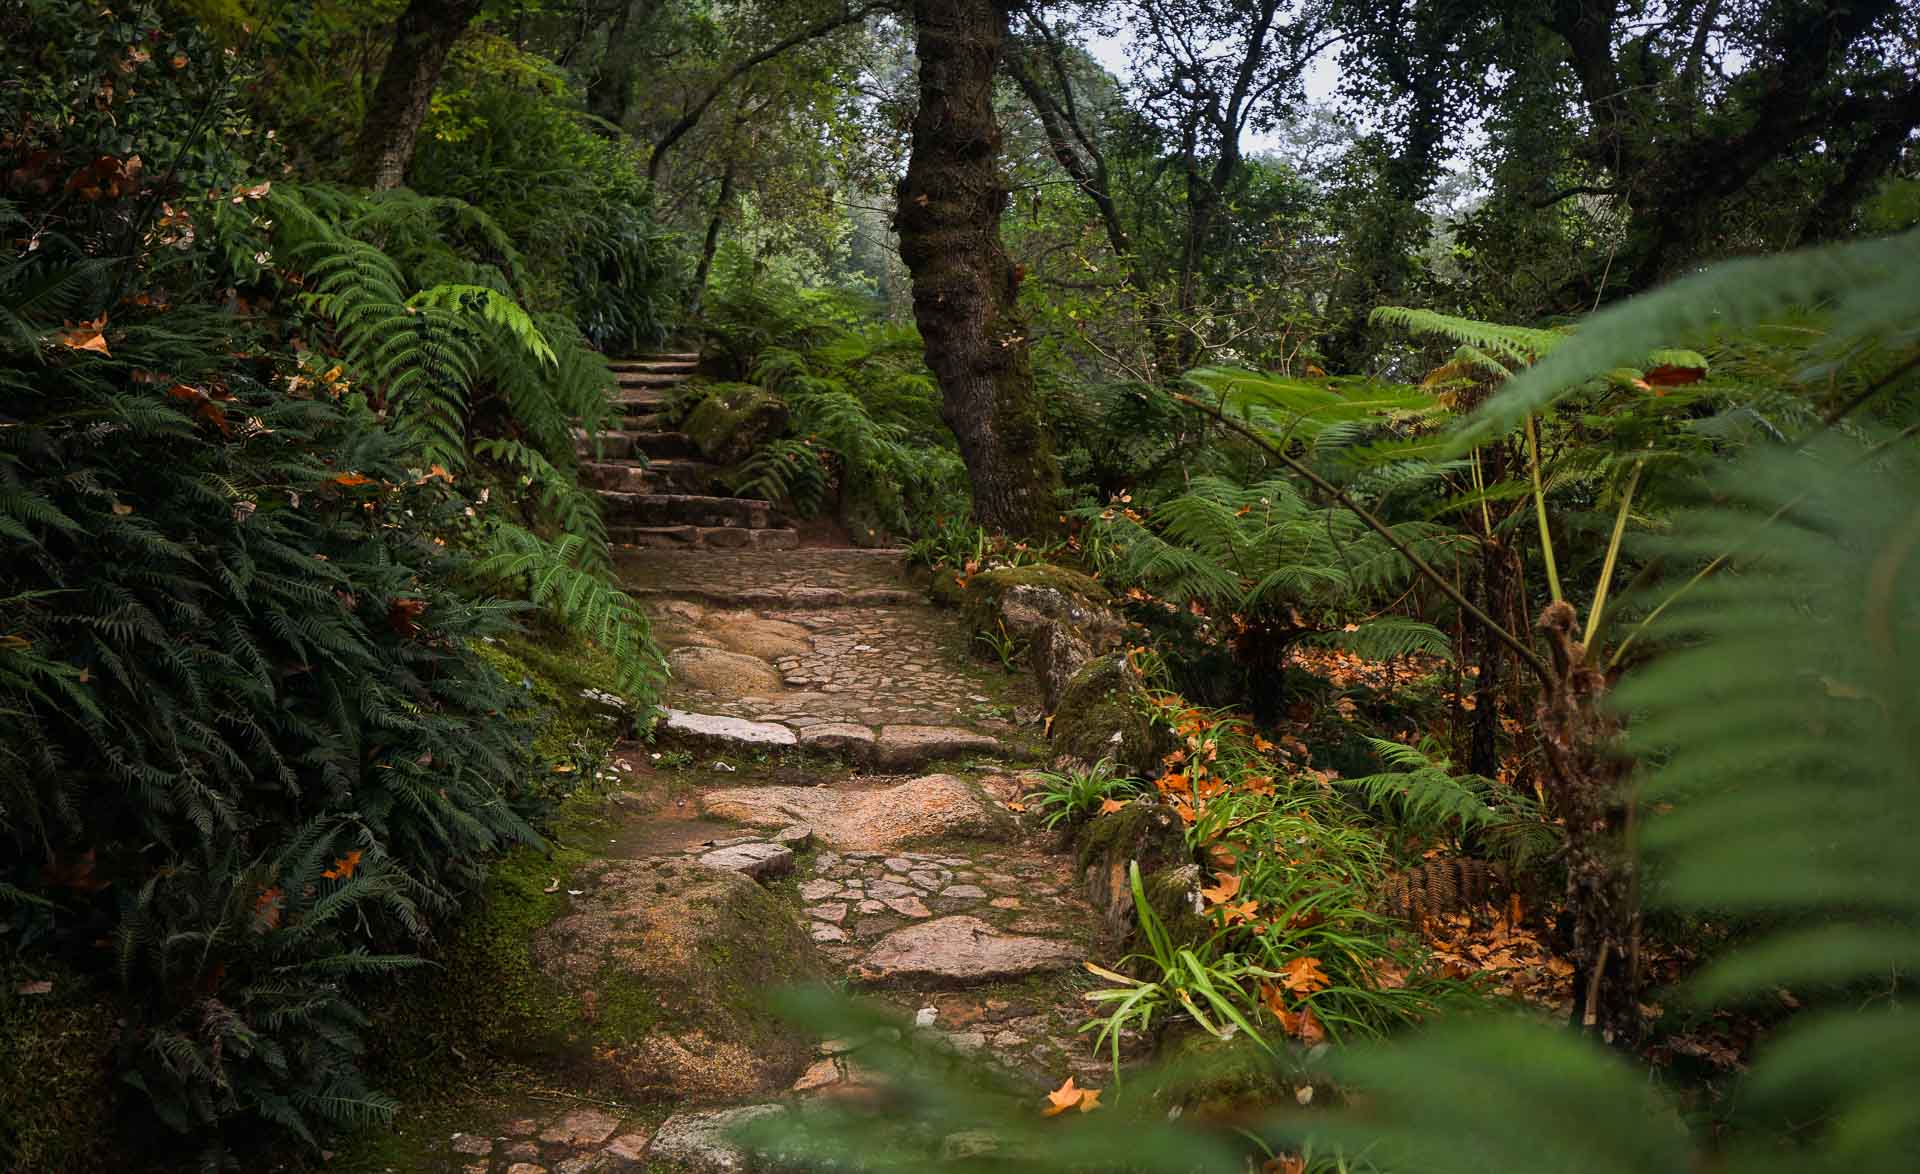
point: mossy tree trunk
(964, 285)
(421, 41)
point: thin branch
(812, 32)
(1278, 451)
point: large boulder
(1103, 712)
(668, 962)
(734, 420)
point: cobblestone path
(919, 891)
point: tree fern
(1777, 727)
(1424, 796)
(1866, 287)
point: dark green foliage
(226, 672)
(1422, 796)
(509, 137)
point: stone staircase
(656, 489)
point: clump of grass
(1075, 795)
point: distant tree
(422, 39)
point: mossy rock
(988, 594)
(57, 1103)
(1103, 713)
(668, 964)
(733, 420)
(1144, 833)
(945, 587)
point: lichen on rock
(1103, 713)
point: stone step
(666, 446)
(611, 445)
(809, 598)
(654, 366)
(890, 748)
(704, 538)
(634, 379)
(686, 509)
(680, 475)
(614, 476)
(665, 476)
(656, 357)
(626, 446)
(642, 414)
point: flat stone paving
(977, 937)
(864, 659)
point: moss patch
(668, 966)
(570, 683)
(57, 1101)
(733, 420)
(1211, 1079)
(1103, 714)
(484, 996)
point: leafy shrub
(1271, 567)
(249, 757)
(245, 740)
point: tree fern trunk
(1588, 790)
(421, 41)
(964, 286)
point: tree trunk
(610, 91)
(712, 243)
(964, 287)
(421, 41)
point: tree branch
(812, 32)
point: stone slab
(960, 951)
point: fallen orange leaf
(1304, 976)
(85, 336)
(1223, 889)
(1070, 1096)
(344, 867)
(1109, 806)
(352, 479)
